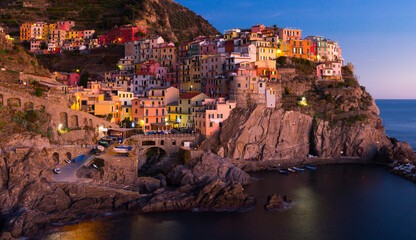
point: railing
(172, 135)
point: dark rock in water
(276, 202)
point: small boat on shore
(299, 169)
(122, 149)
(292, 170)
(283, 172)
(310, 167)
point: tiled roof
(190, 95)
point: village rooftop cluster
(160, 85)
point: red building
(123, 34)
(229, 46)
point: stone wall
(60, 113)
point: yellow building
(282, 49)
(187, 105)
(265, 51)
(126, 113)
(72, 34)
(185, 74)
(173, 114)
(231, 34)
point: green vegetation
(357, 118)
(281, 61)
(31, 121)
(38, 92)
(304, 66)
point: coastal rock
(272, 134)
(276, 202)
(147, 184)
(207, 169)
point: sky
(377, 36)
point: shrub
(287, 91)
(99, 162)
(49, 133)
(38, 92)
(281, 61)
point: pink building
(329, 70)
(257, 28)
(208, 47)
(65, 25)
(209, 119)
(74, 79)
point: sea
(333, 202)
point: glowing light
(279, 51)
(77, 70)
(60, 126)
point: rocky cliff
(334, 119)
(164, 17)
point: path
(69, 170)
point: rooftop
(189, 95)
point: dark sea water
(399, 118)
(333, 202)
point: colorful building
(209, 119)
(150, 114)
(329, 70)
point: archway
(28, 106)
(154, 155)
(55, 158)
(74, 121)
(14, 102)
(63, 118)
(68, 155)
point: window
(210, 124)
(147, 112)
(157, 112)
(147, 120)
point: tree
(126, 123)
(84, 80)
(281, 61)
(38, 92)
(43, 45)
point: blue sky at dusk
(377, 36)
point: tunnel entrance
(55, 158)
(153, 156)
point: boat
(79, 158)
(291, 170)
(101, 148)
(283, 172)
(124, 147)
(299, 169)
(120, 150)
(310, 167)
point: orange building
(150, 114)
(25, 31)
(267, 70)
(287, 33)
(300, 48)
